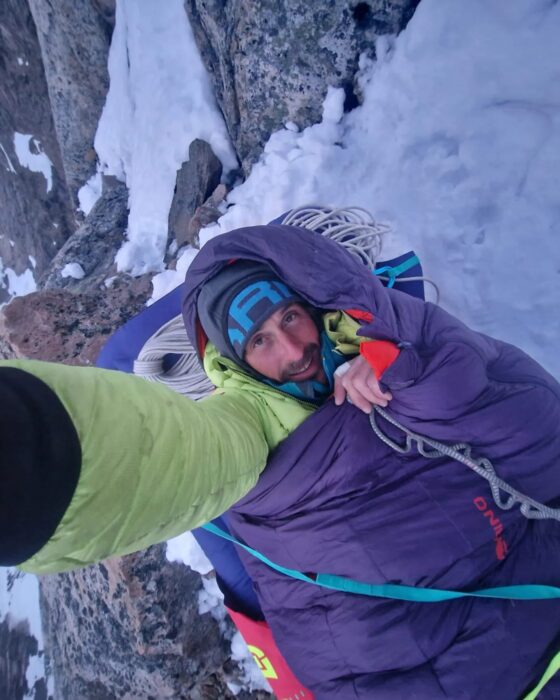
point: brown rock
(60, 326)
(206, 214)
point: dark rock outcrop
(271, 62)
(37, 215)
(17, 646)
(206, 214)
(95, 243)
(196, 180)
(76, 69)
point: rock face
(18, 645)
(94, 245)
(60, 326)
(129, 628)
(196, 180)
(76, 68)
(271, 62)
(37, 216)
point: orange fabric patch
(380, 354)
(360, 315)
(201, 338)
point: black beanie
(40, 460)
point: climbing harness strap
(393, 272)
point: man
(307, 482)
(262, 325)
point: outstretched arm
(151, 464)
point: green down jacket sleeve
(153, 463)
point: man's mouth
(293, 371)
(304, 367)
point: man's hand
(356, 382)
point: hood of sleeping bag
(319, 270)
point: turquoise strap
(394, 590)
(394, 272)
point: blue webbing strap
(397, 591)
(397, 270)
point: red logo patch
(501, 544)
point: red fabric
(262, 646)
(360, 315)
(380, 354)
(201, 339)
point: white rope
(186, 376)
(418, 278)
(352, 227)
(461, 452)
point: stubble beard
(310, 352)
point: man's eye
(257, 342)
(290, 316)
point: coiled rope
(185, 376)
(352, 227)
(461, 452)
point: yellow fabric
(552, 670)
(342, 330)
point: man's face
(286, 348)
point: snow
(17, 284)
(185, 549)
(159, 101)
(31, 156)
(74, 270)
(169, 279)
(252, 677)
(89, 193)
(19, 601)
(457, 147)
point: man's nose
(290, 347)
